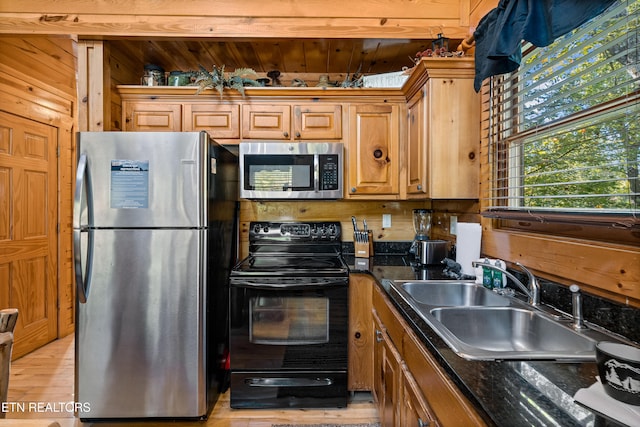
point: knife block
(364, 249)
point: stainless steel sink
(510, 333)
(479, 324)
(452, 294)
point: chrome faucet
(533, 291)
(576, 302)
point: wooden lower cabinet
(360, 335)
(388, 376)
(414, 410)
(409, 386)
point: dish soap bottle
(499, 277)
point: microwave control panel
(329, 172)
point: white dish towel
(596, 398)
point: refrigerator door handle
(83, 278)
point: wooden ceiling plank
(215, 56)
(87, 26)
(437, 9)
(316, 55)
(293, 56)
(343, 56)
(268, 55)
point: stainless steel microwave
(291, 170)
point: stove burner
(293, 249)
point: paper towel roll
(468, 245)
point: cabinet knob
(353, 189)
(297, 134)
(423, 423)
(286, 134)
(358, 335)
(420, 187)
(377, 153)
(379, 337)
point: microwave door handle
(316, 172)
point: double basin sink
(479, 324)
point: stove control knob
(256, 228)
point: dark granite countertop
(505, 393)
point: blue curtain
(500, 33)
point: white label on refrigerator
(129, 184)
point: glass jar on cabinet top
(153, 76)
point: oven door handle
(316, 284)
(288, 382)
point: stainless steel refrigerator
(155, 237)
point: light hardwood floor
(42, 381)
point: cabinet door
(387, 370)
(392, 391)
(417, 146)
(219, 120)
(373, 150)
(317, 121)
(266, 121)
(415, 411)
(360, 333)
(148, 116)
(432, 394)
(378, 350)
(454, 139)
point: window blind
(564, 129)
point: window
(564, 129)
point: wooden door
(28, 229)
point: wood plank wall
(38, 82)
(401, 216)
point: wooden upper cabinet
(443, 132)
(416, 153)
(373, 146)
(221, 121)
(317, 121)
(309, 122)
(266, 121)
(150, 116)
(453, 139)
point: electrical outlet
(453, 225)
(386, 220)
